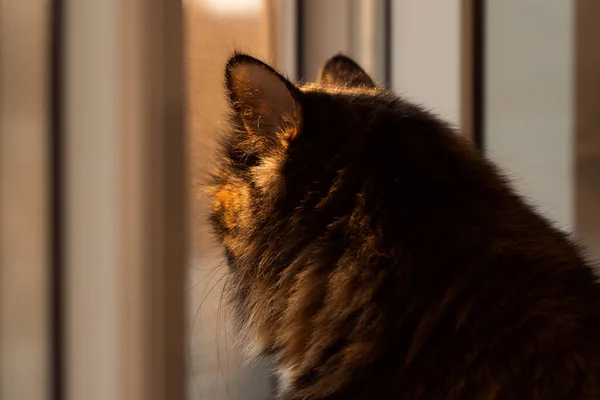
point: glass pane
(541, 106)
(214, 29)
(529, 111)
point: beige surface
(124, 243)
(23, 201)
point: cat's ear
(342, 70)
(266, 102)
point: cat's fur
(374, 254)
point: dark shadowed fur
(374, 254)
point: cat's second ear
(266, 102)
(342, 70)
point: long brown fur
(374, 254)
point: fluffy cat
(374, 254)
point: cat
(374, 253)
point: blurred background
(110, 283)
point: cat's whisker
(218, 336)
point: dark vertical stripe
(479, 37)
(387, 42)
(56, 37)
(299, 40)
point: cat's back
(511, 331)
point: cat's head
(283, 140)
(305, 170)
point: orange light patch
(293, 133)
(232, 202)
